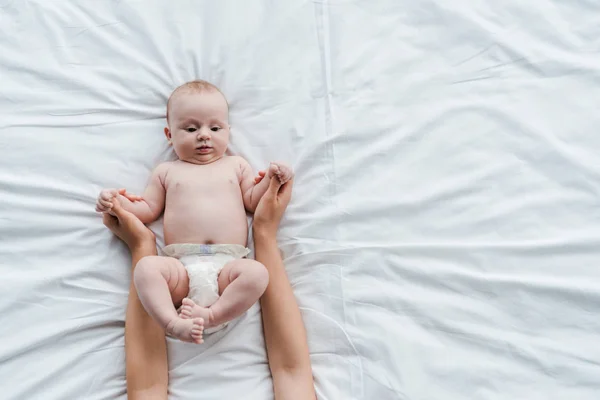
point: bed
(443, 239)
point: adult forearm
(145, 345)
(285, 335)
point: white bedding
(443, 240)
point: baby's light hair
(196, 86)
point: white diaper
(203, 263)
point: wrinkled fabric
(443, 236)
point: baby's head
(198, 122)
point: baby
(205, 195)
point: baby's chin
(203, 159)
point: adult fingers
(286, 190)
(274, 186)
(109, 221)
(117, 209)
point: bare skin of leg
(162, 282)
(241, 283)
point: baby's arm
(252, 191)
(148, 207)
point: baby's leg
(241, 283)
(160, 282)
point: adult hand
(270, 209)
(128, 227)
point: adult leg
(160, 282)
(241, 283)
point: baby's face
(199, 126)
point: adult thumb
(116, 208)
(274, 186)
(109, 221)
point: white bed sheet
(443, 240)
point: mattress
(443, 238)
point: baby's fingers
(106, 195)
(274, 169)
(105, 203)
(101, 208)
(261, 175)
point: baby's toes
(188, 302)
(197, 330)
(185, 313)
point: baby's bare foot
(187, 330)
(197, 330)
(189, 310)
(185, 311)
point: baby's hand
(259, 177)
(282, 171)
(106, 197)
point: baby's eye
(191, 129)
(215, 128)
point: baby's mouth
(203, 148)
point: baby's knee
(144, 269)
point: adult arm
(145, 344)
(285, 335)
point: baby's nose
(203, 134)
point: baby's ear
(168, 134)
